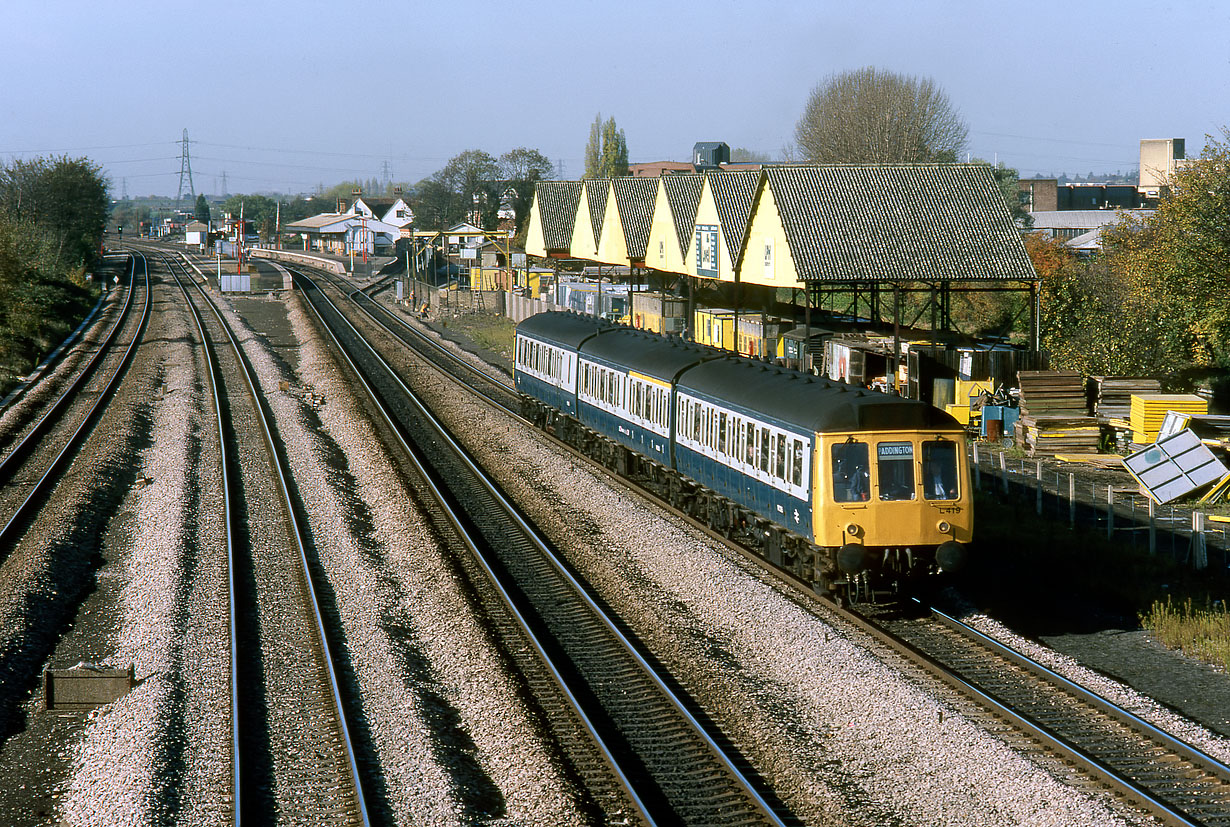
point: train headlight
(944, 527)
(853, 529)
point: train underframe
(851, 574)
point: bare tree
(874, 116)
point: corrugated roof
(852, 222)
(557, 211)
(683, 198)
(634, 199)
(733, 194)
(1080, 219)
(596, 191)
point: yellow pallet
(1148, 412)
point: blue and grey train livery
(838, 484)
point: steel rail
(50, 416)
(1070, 753)
(439, 349)
(281, 474)
(65, 453)
(1103, 772)
(1188, 752)
(544, 549)
(464, 534)
(215, 387)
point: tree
(52, 215)
(874, 116)
(1177, 262)
(469, 183)
(606, 153)
(593, 149)
(614, 150)
(260, 210)
(202, 210)
(63, 197)
(744, 155)
(521, 169)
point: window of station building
(939, 469)
(895, 469)
(851, 472)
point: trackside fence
(1126, 516)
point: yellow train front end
(891, 505)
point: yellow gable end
(583, 230)
(767, 259)
(612, 245)
(535, 243)
(662, 252)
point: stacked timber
(1054, 417)
(1149, 412)
(1110, 397)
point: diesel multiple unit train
(850, 490)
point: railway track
(1173, 781)
(672, 767)
(292, 753)
(498, 393)
(34, 464)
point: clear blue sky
(286, 96)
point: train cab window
(895, 469)
(851, 472)
(940, 470)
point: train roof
(650, 354)
(564, 327)
(809, 402)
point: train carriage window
(797, 476)
(764, 450)
(696, 421)
(780, 454)
(751, 445)
(721, 433)
(851, 472)
(895, 469)
(939, 469)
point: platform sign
(1174, 466)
